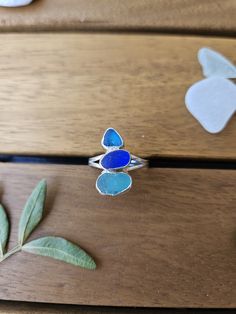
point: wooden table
(70, 69)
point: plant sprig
(54, 247)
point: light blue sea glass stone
(112, 138)
(113, 183)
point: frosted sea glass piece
(215, 64)
(14, 3)
(212, 102)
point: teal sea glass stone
(112, 138)
(113, 183)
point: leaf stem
(17, 248)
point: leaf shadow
(234, 238)
(7, 213)
(50, 197)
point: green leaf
(60, 249)
(4, 230)
(33, 211)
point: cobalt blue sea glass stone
(113, 183)
(112, 138)
(116, 159)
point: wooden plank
(185, 16)
(34, 308)
(59, 92)
(169, 242)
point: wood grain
(172, 16)
(59, 92)
(169, 242)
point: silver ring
(115, 164)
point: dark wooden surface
(183, 16)
(169, 242)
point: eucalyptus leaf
(33, 211)
(61, 249)
(4, 230)
(215, 64)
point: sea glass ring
(115, 164)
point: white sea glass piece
(214, 64)
(212, 102)
(14, 3)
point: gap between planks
(183, 163)
(35, 308)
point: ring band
(115, 163)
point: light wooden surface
(169, 242)
(173, 16)
(59, 92)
